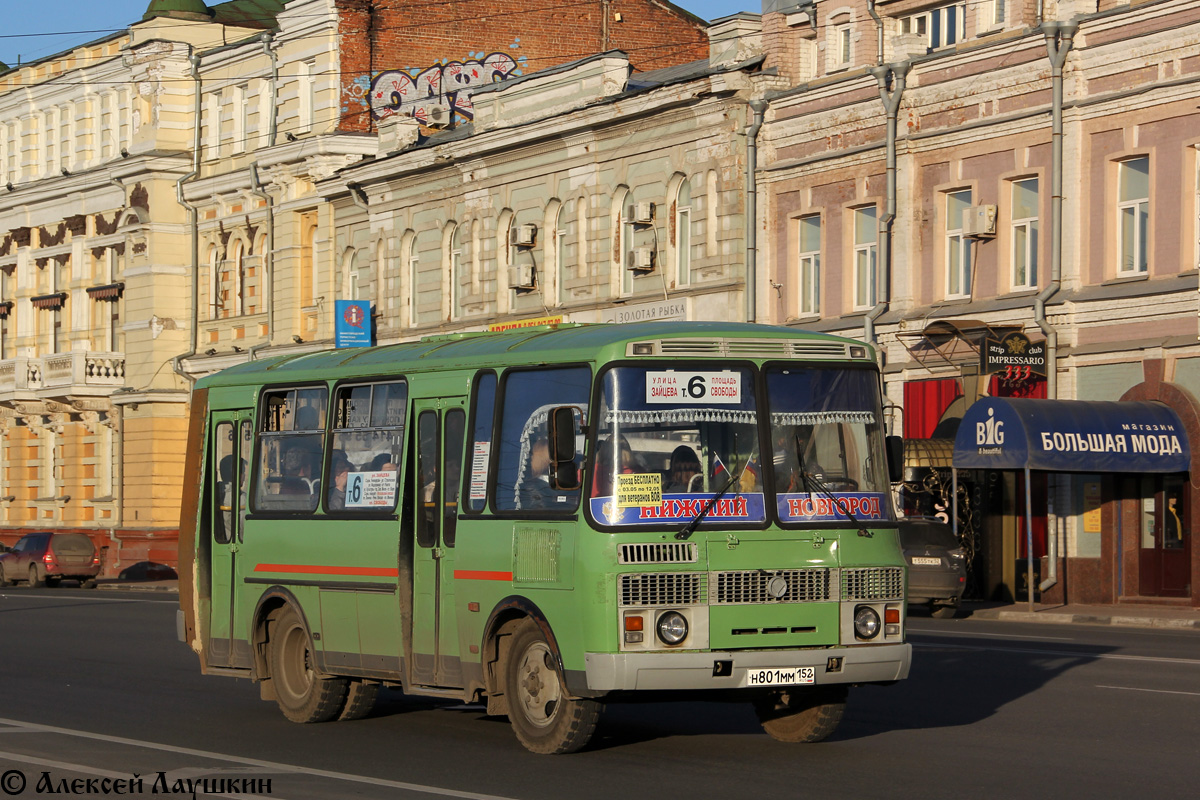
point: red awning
(51, 301)
(109, 291)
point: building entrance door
(1165, 554)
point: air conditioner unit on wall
(641, 213)
(523, 235)
(979, 222)
(641, 259)
(522, 277)
(437, 115)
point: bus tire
(802, 715)
(302, 693)
(544, 718)
(360, 699)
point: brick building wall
(396, 54)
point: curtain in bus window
(523, 471)
(483, 406)
(288, 473)
(367, 445)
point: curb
(1053, 618)
(134, 587)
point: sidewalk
(114, 585)
(1128, 615)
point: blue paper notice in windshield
(681, 508)
(814, 507)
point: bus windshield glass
(827, 454)
(669, 440)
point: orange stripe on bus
(481, 575)
(316, 569)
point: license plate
(926, 562)
(780, 676)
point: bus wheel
(360, 700)
(802, 715)
(544, 718)
(302, 694)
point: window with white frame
(241, 115)
(108, 131)
(809, 244)
(308, 90)
(866, 237)
(49, 142)
(562, 219)
(14, 150)
(683, 233)
(1133, 214)
(993, 14)
(460, 252)
(958, 246)
(838, 45)
(941, 27)
(1025, 233)
(66, 137)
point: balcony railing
(83, 370)
(20, 375)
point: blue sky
(32, 30)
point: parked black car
(45, 558)
(937, 564)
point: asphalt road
(96, 686)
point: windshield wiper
(808, 478)
(690, 528)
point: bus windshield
(826, 443)
(668, 440)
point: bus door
(440, 426)
(233, 435)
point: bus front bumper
(607, 672)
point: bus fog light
(866, 622)
(672, 627)
(891, 630)
(633, 637)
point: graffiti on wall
(411, 92)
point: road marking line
(936, 632)
(90, 772)
(254, 762)
(1155, 691)
(90, 598)
(1068, 653)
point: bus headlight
(672, 628)
(866, 622)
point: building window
(459, 257)
(308, 91)
(994, 13)
(1025, 233)
(809, 236)
(839, 45)
(241, 116)
(958, 246)
(941, 27)
(1133, 214)
(866, 235)
(66, 138)
(413, 266)
(683, 233)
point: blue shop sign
(1071, 436)
(353, 324)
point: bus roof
(565, 342)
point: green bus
(548, 520)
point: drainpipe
(268, 257)
(878, 32)
(1059, 38)
(759, 108)
(893, 74)
(194, 224)
(267, 39)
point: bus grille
(752, 348)
(873, 583)
(664, 589)
(658, 553)
(755, 586)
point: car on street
(937, 565)
(45, 558)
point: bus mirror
(895, 458)
(563, 472)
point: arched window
(408, 278)
(620, 234)
(452, 269)
(239, 278)
(308, 259)
(682, 233)
(214, 283)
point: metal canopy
(1071, 436)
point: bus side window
(427, 478)
(367, 444)
(292, 433)
(483, 413)
(223, 459)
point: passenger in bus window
(602, 482)
(535, 491)
(297, 472)
(337, 491)
(684, 467)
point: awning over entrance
(1071, 436)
